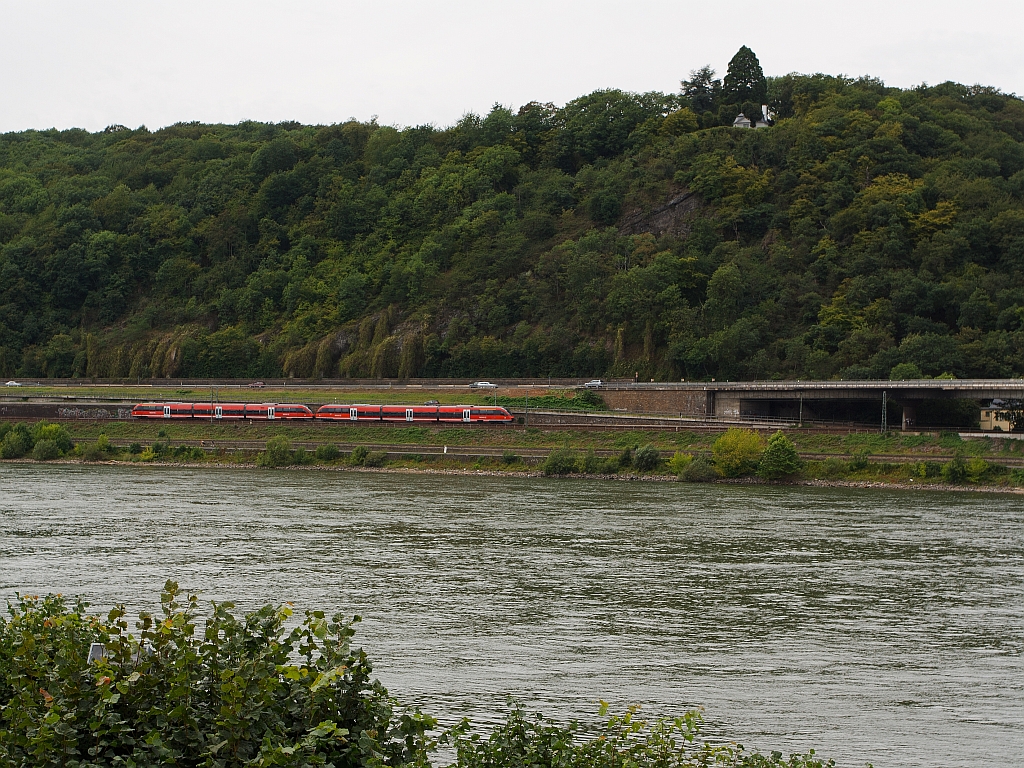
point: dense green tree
(702, 90)
(779, 459)
(744, 81)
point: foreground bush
(223, 691)
(625, 741)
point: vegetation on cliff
(869, 228)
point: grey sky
(92, 64)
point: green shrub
(737, 452)
(188, 689)
(5, 427)
(977, 468)
(93, 452)
(58, 433)
(699, 470)
(327, 452)
(592, 464)
(45, 450)
(647, 458)
(955, 470)
(158, 448)
(859, 461)
(621, 741)
(949, 439)
(589, 399)
(625, 460)
(561, 461)
(779, 458)
(679, 462)
(189, 453)
(832, 468)
(16, 443)
(358, 456)
(278, 453)
(301, 456)
(135, 449)
(375, 459)
(162, 433)
(508, 457)
(926, 469)
(905, 371)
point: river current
(875, 626)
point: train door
(270, 412)
(353, 414)
(408, 414)
(465, 414)
(167, 411)
(218, 412)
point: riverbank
(462, 471)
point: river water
(871, 625)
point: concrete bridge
(799, 400)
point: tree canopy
(869, 227)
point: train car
(413, 413)
(225, 411)
(422, 414)
(162, 411)
(276, 411)
(230, 411)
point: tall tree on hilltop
(702, 89)
(745, 80)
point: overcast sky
(92, 64)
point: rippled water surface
(871, 625)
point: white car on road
(13, 384)
(483, 385)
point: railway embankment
(894, 459)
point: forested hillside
(868, 228)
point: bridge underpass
(803, 401)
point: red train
(415, 414)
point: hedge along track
(534, 455)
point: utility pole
(885, 416)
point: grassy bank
(937, 445)
(942, 459)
